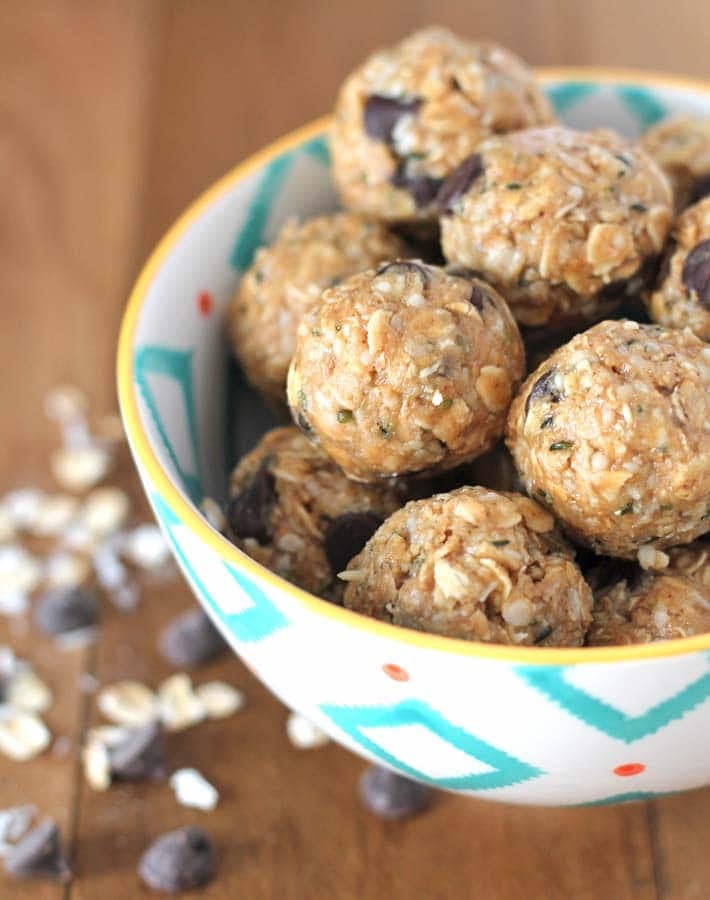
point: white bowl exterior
(541, 734)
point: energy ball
(294, 511)
(649, 607)
(612, 433)
(682, 296)
(473, 564)
(408, 116)
(405, 369)
(681, 147)
(564, 223)
(285, 281)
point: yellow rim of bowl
(189, 515)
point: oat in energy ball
(294, 511)
(612, 433)
(649, 607)
(285, 281)
(405, 369)
(682, 296)
(473, 564)
(681, 147)
(564, 223)
(408, 116)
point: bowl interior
(194, 406)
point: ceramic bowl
(525, 725)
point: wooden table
(113, 116)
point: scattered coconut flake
(23, 735)
(20, 573)
(64, 403)
(212, 511)
(26, 691)
(97, 763)
(7, 525)
(192, 789)
(55, 513)
(14, 823)
(219, 699)
(146, 547)
(23, 507)
(110, 735)
(128, 703)
(81, 468)
(303, 733)
(180, 707)
(105, 511)
(66, 570)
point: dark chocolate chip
(191, 640)
(382, 114)
(66, 609)
(701, 189)
(478, 297)
(178, 861)
(696, 272)
(542, 634)
(544, 388)
(249, 513)
(423, 188)
(402, 266)
(39, 854)
(303, 423)
(140, 756)
(347, 535)
(390, 796)
(458, 183)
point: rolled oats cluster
(404, 376)
(681, 298)
(562, 222)
(405, 369)
(408, 116)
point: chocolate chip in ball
(423, 188)
(478, 297)
(544, 388)
(347, 535)
(458, 182)
(62, 610)
(191, 640)
(140, 756)
(178, 861)
(39, 854)
(382, 113)
(249, 512)
(390, 796)
(403, 266)
(696, 272)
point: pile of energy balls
(478, 232)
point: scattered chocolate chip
(458, 183)
(545, 388)
(39, 854)
(178, 861)
(390, 796)
(696, 272)
(701, 189)
(542, 634)
(347, 535)
(423, 188)
(402, 266)
(61, 610)
(381, 115)
(478, 297)
(191, 640)
(249, 513)
(140, 756)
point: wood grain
(112, 117)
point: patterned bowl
(524, 725)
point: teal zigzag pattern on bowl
(175, 365)
(259, 620)
(491, 767)
(551, 681)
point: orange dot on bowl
(396, 673)
(204, 303)
(629, 769)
